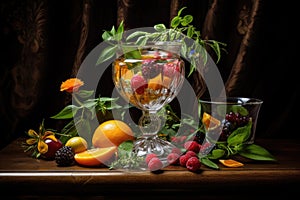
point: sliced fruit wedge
(95, 157)
(231, 163)
(210, 122)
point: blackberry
(150, 69)
(199, 137)
(64, 156)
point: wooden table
(22, 177)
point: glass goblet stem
(149, 142)
(149, 123)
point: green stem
(76, 99)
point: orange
(231, 163)
(158, 83)
(77, 143)
(95, 157)
(210, 122)
(111, 133)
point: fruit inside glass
(149, 77)
(233, 117)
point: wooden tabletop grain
(23, 176)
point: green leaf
(90, 104)
(131, 52)
(113, 30)
(142, 40)
(186, 20)
(216, 153)
(256, 152)
(68, 131)
(207, 162)
(179, 12)
(190, 31)
(240, 135)
(106, 54)
(160, 27)
(120, 31)
(239, 109)
(136, 34)
(85, 93)
(120, 28)
(175, 21)
(106, 36)
(67, 113)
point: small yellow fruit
(78, 144)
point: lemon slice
(231, 163)
(210, 122)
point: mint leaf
(256, 152)
(207, 162)
(85, 93)
(66, 113)
(240, 135)
(216, 153)
(106, 54)
(136, 34)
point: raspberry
(183, 159)
(193, 164)
(192, 146)
(191, 154)
(155, 164)
(173, 158)
(138, 84)
(176, 150)
(170, 69)
(149, 157)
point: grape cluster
(232, 121)
(150, 68)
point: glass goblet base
(153, 144)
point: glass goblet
(149, 77)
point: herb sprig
(181, 30)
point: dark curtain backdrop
(44, 42)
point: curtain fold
(44, 42)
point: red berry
(176, 150)
(172, 68)
(192, 146)
(193, 164)
(149, 157)
(191, 154)
(173, 158)
(183, 159)
(155, 164)
(138, 84)
(53, 146)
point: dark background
(43, 43)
